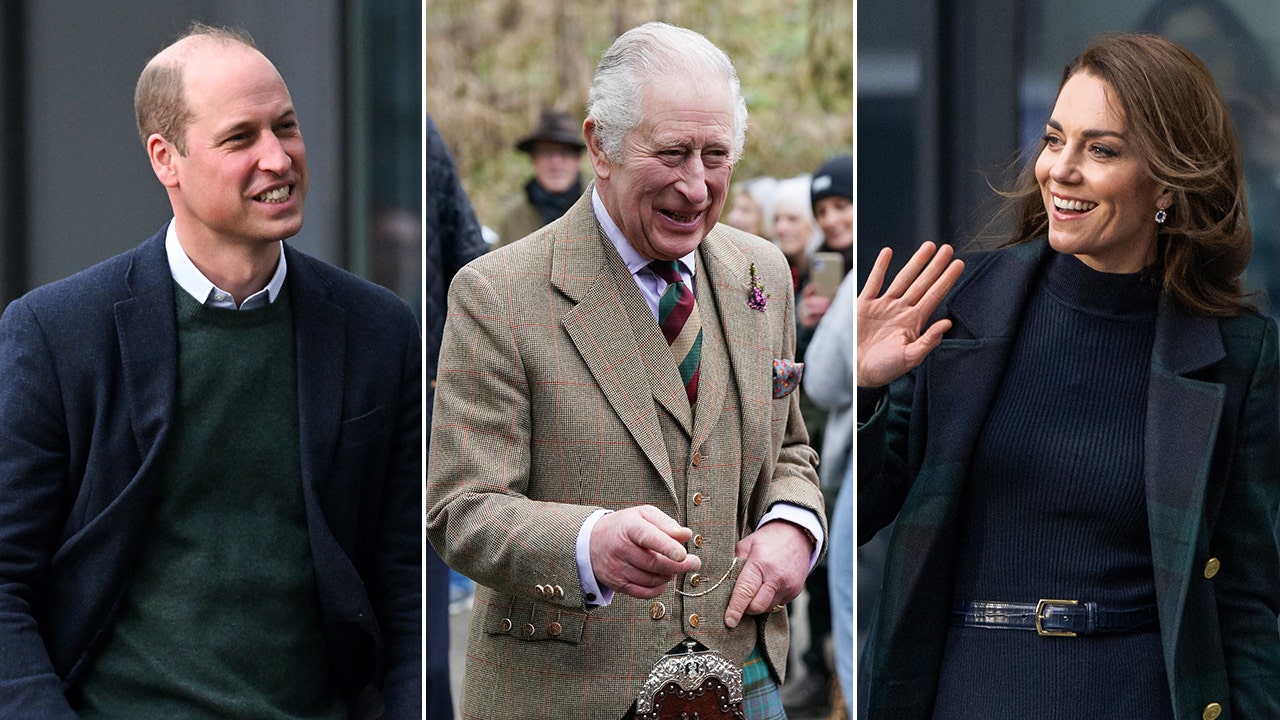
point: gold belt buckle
(1042, 608)
(704, 682)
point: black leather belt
(1056, 618)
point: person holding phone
(831, 192)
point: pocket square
(786, 377)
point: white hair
(649, 53)
(793, 194)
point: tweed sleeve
(481, 517)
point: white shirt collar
(190, 279)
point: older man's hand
(777, 562)
(637, 551)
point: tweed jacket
(90, 372)
(557, 395)
(1212, 447)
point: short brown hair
(159, 100)
(1179, 123)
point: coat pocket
(532, 621)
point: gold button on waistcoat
(554, 629)
(506, 625)
(697, 459)
(657, 611)
(694, 620)
(695, 580)
(697, 540)
(528, 630)
(1211, 711)
(1211, 568)
(697, 498)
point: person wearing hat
(831, 192)
(555, 146)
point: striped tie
(678, 316)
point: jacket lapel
(740, 340)
(1178, 455)
(148, 345)
(589, 272)
(965, 370)
(320, 342)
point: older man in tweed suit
(573, 457)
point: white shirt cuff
(593, 593)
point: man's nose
(693, 180)
(273, 157)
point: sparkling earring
(1161, 215)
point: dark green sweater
(221, 618)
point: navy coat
(1212, 475)
(89, 368)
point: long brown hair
(1179, 123)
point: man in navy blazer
(133, 579)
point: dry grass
(491, 65)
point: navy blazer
(89, 368)
(1212, 449)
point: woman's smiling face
(1099, 195)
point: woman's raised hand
(892, 339)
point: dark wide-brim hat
(557, 127)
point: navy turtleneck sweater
(1055, 507)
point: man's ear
(163, 156)
(599, 163)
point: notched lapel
(1178, 454)
(748, 341)
(587, 270)
(147, 328)
(964, 371)
(320, 342)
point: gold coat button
(559, 591)
(554, 629)
(540, 589)
(697, 540)
(528, 630)
(697, 459)
(1211, 711)
(697, 498)
(694, 620)
(1210, 569)
(657, 611)
(695, 580)
(506, 625)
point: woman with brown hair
(1081, 438)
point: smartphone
(826, 270)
